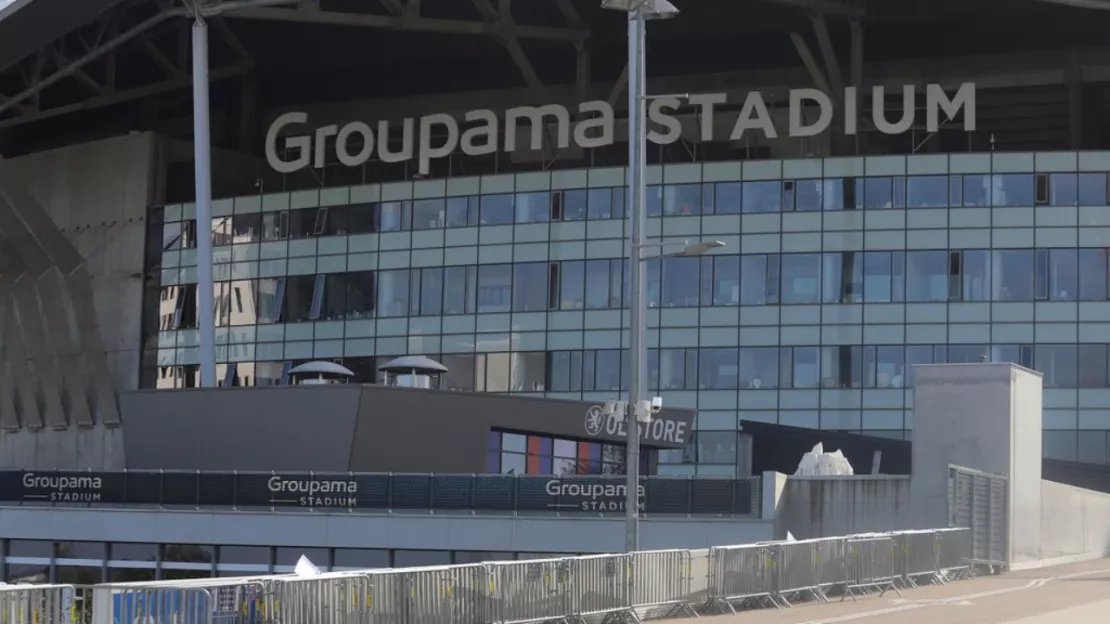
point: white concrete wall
(1025, 466)
(98, 194)
(812, 507)
(84, 206)
(1075, 524)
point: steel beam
(818, 76)
(828, 54)
(415, 24)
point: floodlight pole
(202, 168)
(637, 191)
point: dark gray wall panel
(287, 428)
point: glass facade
(87, 563)
(838, 275)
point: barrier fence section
(36, 604)
(573, 590)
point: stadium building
(896, 183)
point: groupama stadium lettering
(63, 489)
(482, 132)
(306, 493)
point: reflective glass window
(1093, 448)
(607, 369)
(597, 284)
(530, 290)
(878, 276)
(575, 205)
(572, 285)
(335, 297)
(302, 222)
(762, 196)
(755, 279)
(807, 195)
(533, 207)
(431, 292)
(654, 200)
(1092, 366)
(462, 211)
(976, 190)
(496, 210)
(393, 216)
(360, 559)
(926, 276)
(716, 447)
(1058, 364)
(878, 193)
(1092, 189)
(975, 275)
(1060, 445)
(890, 362)
(680, 282)
(718, 369)
(801, 278)
(1063, 189)
(460, 373)
(842, 194)
(1013, 275)
(1012, 189)
(246, 228)
(359, 299)
(682, 199)
(927, 191)
(835, 286)
(493, 374)
(299, 296)
(1063, 275)
(599, 203)
(529, 372)
(429, 214)
(728, 198)
(759, 367)
(1092, 274)
(334, 220)
(805, 371)
(393, 293)
(672, 369)
(495, 287)
(726, 280)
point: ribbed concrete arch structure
(55, 373)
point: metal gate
(979, 501)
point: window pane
(680, 282)
(801, 278)
(454, 290)
(360, 558)
(672, 369)
(877, 277)
(431, 292)
(598, 203)
(462, 211)
(533, 207)
(1060, 445)
(1092, 274)
(460, 372)
(754, 280)
(807, 195)
(393, 293)
(299, 291)
(529, 372)
(718, 369)
(759, 367)
(1063, 277)
(1013, 272)
(393, 216)
(1058, 365)
(1092, 366)
(889, 366)
(1092, 189)
(497, 372)
(726, 280)
(530, 286)
(926, 276)
(335, 297)
(762, 196)
(682, 199)
(976, 275)
(429, 214)
(597, 284)
(927, 191)
(727, 198)
(607, 370)
(572, 285)
(1012, 189)
(806, 370)
(716, 447)
(360, 294)
(878, 193)
(1063, 189)
(495, 287)
(497, 209)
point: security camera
(656, 405)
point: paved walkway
(1073, 594)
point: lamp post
(639, 11)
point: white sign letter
(302, 144)
(706, 101)
(487, 131)
(798, 98)
(406, 142)
(427, 152)
(762, 121)
(878, 110)
(603, 122)
(659, 114)
(936, 100)
(535, 116)
(322, 134)
(343, 150)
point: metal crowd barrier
(36, 604)
(573, 590)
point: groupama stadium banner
(384, 492)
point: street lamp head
(653, 9)
(698, 249)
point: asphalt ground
(1071, 594)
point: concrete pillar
(986, 417)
